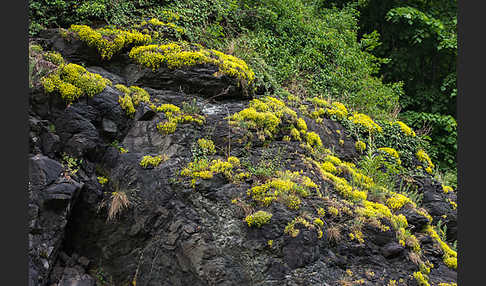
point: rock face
(173, 233)
(51, 198)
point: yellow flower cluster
(288, 186)
(360, 146)
(126, 104)
(175, 55)
(157, 23)
(204, 169)
(450, 256)
(356, 235)
(366, 122)
(175, 116)
(329, 167)
(343, 186)
(405, 129)
(453, 204)
(295, 134)
(333, 211)
(337, 109)
(258, 219)
(301, 125)
(54, 57)
(422, 280)
(319, 101)
(102, 180)
(374, 210)
(265, 115)
(319, 222)
(397, 201)
(391, 152)
(72, 81)
(109, 41)
(447, 189)
(425, 159)
(313, 139)
(207, 146)
(292, 231)
(242, 175)
(152, 161)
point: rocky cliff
(160, 165)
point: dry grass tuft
(414, 257)
(333, 233)
(119, 201)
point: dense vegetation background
(385, 58)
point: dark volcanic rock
(176, 233)
(51, 197)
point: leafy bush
(442, 139)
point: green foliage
(71, 164)
(371, 165)
(442, 138)
(295, 38)
(394, 135)
(411, 193)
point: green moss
(258, 219)
(175, 55)
(73, 81)
(109, 41)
